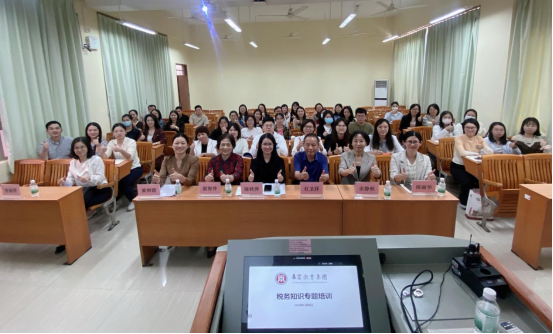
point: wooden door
(182, 82)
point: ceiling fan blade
(300, 9)
(411, 7)
(301, 18)
(386, 11)
(273, 15)
(383, 4)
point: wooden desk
(190, 221)
(533, 222)
(157, 150)
(432, 146)
(402, 214)
(475, 169)
(56, 217)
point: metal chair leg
(111, 214)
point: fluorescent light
(134, 26)
(458, 11)
(326, 40)
(191, 46)
(348, 19)
(252, 43)
(204, 9)
(233, 25)
(389, 39)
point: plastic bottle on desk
(228, 188)
(486, 318)
(34, 189)
(441, 188)
(178, 188)
(277, 188)
(388, 190)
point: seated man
(269, 127)
(199, 118)
(55, 147)
(310, 165)
(361, 123)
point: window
(181, 69)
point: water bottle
(228, 188)
(441, 188)
(486, 318)
(277, 188)
(178, 188)
(34, 189)
(388, 190)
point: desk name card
(148, 190)
(252, 188)
(366, 188)
(209, 188)
(423, 186)
(311, 188)
(11, 190)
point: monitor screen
(318, 293)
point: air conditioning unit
(380, 93)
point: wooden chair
(189, 131)
(111, 176)
(382, 107)
(250, 144)
(108, 136)
(288, 164)
(246, 163)
(202, 168)
(383, 163)
(55, 170)
(446, 147)
(144, 150)
(170, 135)
(537, 168)
(502, 174)
(426, 134)
(333, 165)
(26, 170)
(289, 144)
(295, 132)
(395, 127)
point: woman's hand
(338, 150)
(325, 134)
(347, 149)
(209, 177)
(450, 127)
(401, 177)
(351, 169)
(280, 178)
(431, 176)
(84, 178)
(142, 138)
(479, 147)
(513, 144)
(61, 182)
(375, 171)
(95, 142)
(174, 176)
(251, 176)
(156, 179)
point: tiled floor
(107, 289)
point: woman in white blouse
(384, 141)
(241, 143)
(86, 169)
(445, 127)
(410, 165)
(249, 131)
(203, 146)
(124, 148)
(307, 127)
(497, 140)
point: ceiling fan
(293, 13)
(356, 33)
(293, 35)
(392, 8)
(228, 38)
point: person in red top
(226, 165)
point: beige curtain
(407, 68)
(528, 87)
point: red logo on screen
(281, 278)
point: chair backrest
(55, 170)
(426, 134)
(189, 131)
(202, 168)
(446, 147)
(383, 163)
(108, 136)
(246, 163)
(333, 165)
(109, 170)
(395, 127)
(144, 150)
(507, 169)
(295, 132)
(26, 170)
(289, 144)
(537, 167)
(170, 135)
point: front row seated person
(410, 165)
(180, 166)
(269, 127)
(267, 166)
(357, 165)
(227, 165)
(203, 146)
(124, 148)
(310, 165)
(55, 147)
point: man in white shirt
(269, 127)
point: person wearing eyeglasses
(410, 165)
(307, 127)
(467, 144)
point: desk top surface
(45, 194)
(540, 189)
(398, 194)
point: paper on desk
(118, 161)
(167, 190)
(266, 193)
(476, 158)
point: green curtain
(449, 63)
(41, 73)
(528, 88)
(407, 68)
(137, 69)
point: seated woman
(338, 141)
(497, 140)
(136, 120)
(267, 166)
(174, 124)
(412, 119)
(180, 166)
(243, 110)
(124, 148)
(159, 118)
(298, 118)
(327, 124)
(337, 111)
(432, 115)
(411, 165)
(357, 165)
(250, 130)
(241, 144)
(529, 138)
(222, 128)
(258, 117)
(347, 114)
(385, 141)
(227, 165)
(394, 115)
(307, 127)
(153, 134)
(311, 165)
(466, 145)
(472, 114)
(93, 133)
(203, 146)
(280, 126)
(130, 131)
(233, 116)
(445, 127)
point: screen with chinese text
(318, 293)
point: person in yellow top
(468, 144)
